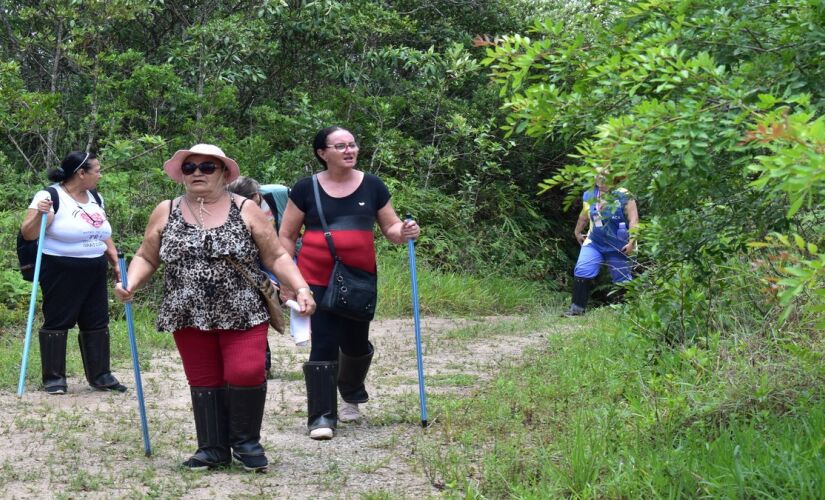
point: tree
(665, 96)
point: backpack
(276, 196)
(27, 249)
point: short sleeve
(624, 194)
(38, 197)
(380, 192)
(300, 192)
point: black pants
(74, 293)
(331, 332)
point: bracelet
(304, 288)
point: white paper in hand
(299, 327)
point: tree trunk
(51, 134)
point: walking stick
(422, 395)
(130, 323)
(21, 385)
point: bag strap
(55, 198)
(327, 233)
(264, 286)
(96, 197)
(243, 271)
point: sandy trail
(88, 444)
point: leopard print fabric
(201, 288)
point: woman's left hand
(410, 230)
(629, 248)
(122, 294)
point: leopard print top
(201, 288)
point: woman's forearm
(31, 224)
(287, 272)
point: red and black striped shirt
(350, 219)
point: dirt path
(88, 444)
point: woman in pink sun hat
(218, 318)
(173, 165)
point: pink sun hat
(172, 166)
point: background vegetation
(709, 111)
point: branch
(127, 160)
(31, 166)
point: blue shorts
(591, 259)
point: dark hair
(320, 141)
(244, 186)
(70, 165)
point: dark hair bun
(57, 175)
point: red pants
(214, 358)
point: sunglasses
(207, 167)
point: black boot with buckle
(211, 427)
(53, 360)
(94, 350)
(322, 398)
(352, 372)
(246, 412)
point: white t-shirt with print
(78, 229)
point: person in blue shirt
(611, 214)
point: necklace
(91, 220)
(198, 216)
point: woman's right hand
(580, 238)
(123, 294)
(44, 206)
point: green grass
(451, 380)
(148, 340)
(595, 416)
(595, 413)
(441, 295)
(450, 294)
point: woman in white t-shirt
(77, 244)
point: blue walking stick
(21, 385)
(422, 395)
(130, 323)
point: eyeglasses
(207, 167)
(342, 146)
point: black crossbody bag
(351, 292)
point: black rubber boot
(53, 360)
(581, 293)
(246, 412)
(212, 428)
(351, 375)
(94, 350)
(322, 398)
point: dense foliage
(137, 79)
(710, 112)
